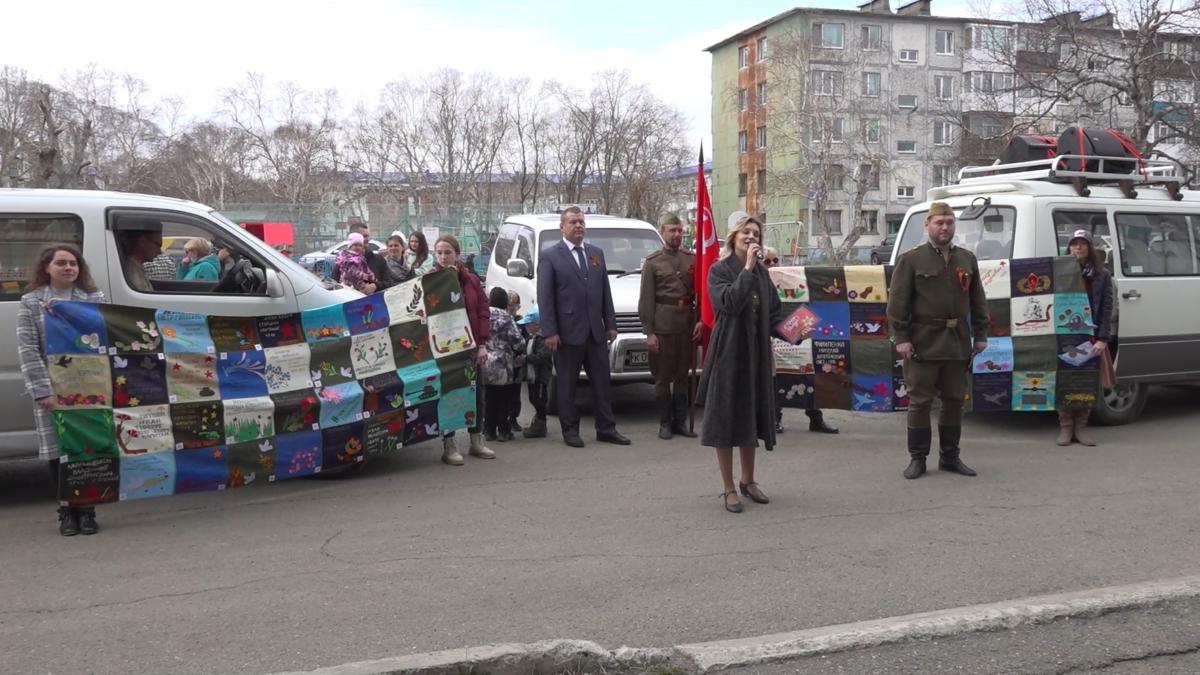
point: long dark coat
(725, 388)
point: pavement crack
(1111, 663)
(325, 552)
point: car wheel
(1121, 405)
(874, 259)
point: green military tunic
(667, 309)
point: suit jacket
(572, 307)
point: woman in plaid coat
(60, 273)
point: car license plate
(637, 359)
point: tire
(874, 259)
(340, 473)
(552, 397)
(1122, 405)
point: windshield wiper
(618, 272)
(625, 274)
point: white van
(264, 282)
(626, 244)
(1148, 231)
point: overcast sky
(192, 49)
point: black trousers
(592, 357)
(498, 405)
(539, 397)
(516, 400)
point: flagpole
(696, 304)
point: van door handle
(1131, 295)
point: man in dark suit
(579, 322)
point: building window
(872, 83)
(942, 175)
(1162, 132)
(943, 133)
(743, 100)
(827, 83)
(905, 192)
(987, 82)
(1123, 98)
(741, 185)
(743, 57)
(832, 130)
(761, 48)
(760, 182)
(906, 147)
(871, 131)
(991, 38)
(870, 221)
(760, 138)
(872, 38)
(909, 55)
(868, 176)
(760, 93)
(838, 130)
(742, 142)
(829, 35)
(943, 87)
(908, 101)
(835, 177)
(945, 42)
(833, 222)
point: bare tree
(20, 123)
(526, 158)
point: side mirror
(518, 268)
(274, 284)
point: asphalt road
(617, 545)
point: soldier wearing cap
(667, 309)
(934, 287)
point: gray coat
(726, 388)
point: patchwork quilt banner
(1039, 328)
(154, 403)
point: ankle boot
(450, 451)
(1081, 434)
(1066, 427)
(536, 429)
(478, 449)
(664, 417)
(87, 520)
(919, 441)
(680, 423)
(948, 438)
(68, 521)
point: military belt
(682, 304)
(938, 323)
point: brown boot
(1066, 426)
(1081, 434)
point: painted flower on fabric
(92, 340)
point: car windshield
(624, 249)
(989, 237)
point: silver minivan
(263, 281)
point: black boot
(680, 424)
(779, 429)
(665, 421)
(816, 423)
(87, 520)
(68, 521)
(919, 441)
(948, 438)
(536, 429)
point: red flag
(707, 250)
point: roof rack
(1154, 172)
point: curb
(580, 656)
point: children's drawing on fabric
(1075, 353)
(342, 445)
(296, 411)
(248, 419)
(1037, 352)
(197, 425)
(234, 334)
(147, 476)
(252, 463)
(202, 470)
(450, 333)
(324, 323)
(279, 330)
(192, 377)
(793, 358)
(1033, 390)
(996, 358)
(139, 380)
(341, 404)
(287, 368)
(997, 282)
(457, 374)
(144, 431)
(87, 482)
(456, 410)
(384, 432)
(833, 391)
(384, 393)
(422, 382)
(330, 363)
(868, 321)
(866, 283)
(185, 333)
(871, 357)
(826, 284)
(368, 314)
(993, 391)
(834, 323)
(1073, 314)
(81, 380)
(794, 390)
(1077, 389)
(1032, 276)
(421, 423)
(131, 330)
(297, 455)
(76, 328)
(371, 354)
(442, 292)
(872, 393)
(242, 374)
(831, 357)
(410, 342)
(899, 394)
(791, 283)
(85, 434)
(405, 302)
(999, 323)
(1033, 315)
(1067, 276)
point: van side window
(1095, 222)
(525, 246)
(193, 258)
(23, 238)
(505, 242)
(1157, 244)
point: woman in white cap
(1098, 282)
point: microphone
(759, 254)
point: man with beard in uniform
(934, 287)
(667, 309)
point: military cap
(669, 219)
(940, 209)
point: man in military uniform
(934, 287)
(667, 309)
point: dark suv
(882, 254)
